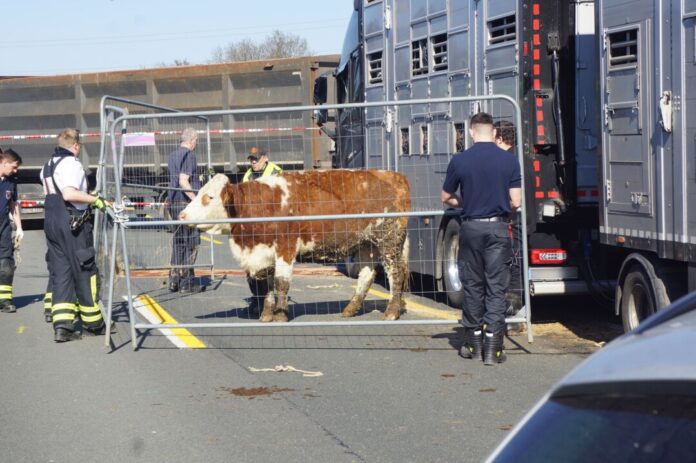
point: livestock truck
(606, 90)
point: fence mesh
(322, 256)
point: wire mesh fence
(366, 242)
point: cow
(269, 249)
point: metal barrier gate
(421, 154)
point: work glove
(18, 236)
(101, 203)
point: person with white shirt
(73, 269)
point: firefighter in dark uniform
(9, 163)
(68, 232)
(485, 182)
(259, 167)
(505, 139)
(183, 180)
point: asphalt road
(386, 394)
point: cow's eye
(211, 197)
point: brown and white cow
(270, 248)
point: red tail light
(548, 256)
(26, 204)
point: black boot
(174, 280)
(48, 316)
(63, 334)
(493, 348)
(189, 284)
(514, 303)
(472, 344)
(7, 306)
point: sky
(78, 36)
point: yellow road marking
(420, 309)
(182, 334)
(205, 238)
(21, 329)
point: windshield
(615, 428)
(350, 42)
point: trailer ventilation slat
(623, 47)
(419, 57)
(374, 62)
(502, 30)
(439, 52)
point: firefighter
(9, 163)
(260, 167)
(505, 139)
(69, 239)
(485, 182)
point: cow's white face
(209, 204)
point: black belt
(497, 218)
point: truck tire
(450, 265)
(638, 300)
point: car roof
(664, 350)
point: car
(632, 401)
(30, 197)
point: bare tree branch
(278, 44)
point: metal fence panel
(419, 148)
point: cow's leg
(365, 280)
(281, 283)
(396, 266)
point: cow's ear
(227, 197)
(226, 194)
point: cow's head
(211, 202)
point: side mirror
(320, 89)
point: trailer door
(627, 60)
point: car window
(611, 427)
(29, 190)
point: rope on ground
(287, 368)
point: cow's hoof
(280, 316)
(266, 317)
(391, 316)
(350, 311)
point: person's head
(481, 128)
(257, 158)
(69, 139)
(189, 138)
(9, 162)
(504, 134)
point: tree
(175, 63)
(277, 44)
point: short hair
(189, 134)
(68, 137)
(505, 130)
(10, 155)
(481, 118)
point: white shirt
(68, 173)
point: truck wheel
(638, 299)
(450, 265)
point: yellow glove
(101, 203)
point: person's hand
(18, 237)
(101, 203)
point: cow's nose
(182, 215)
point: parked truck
(606, 90)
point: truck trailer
(607, 131)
